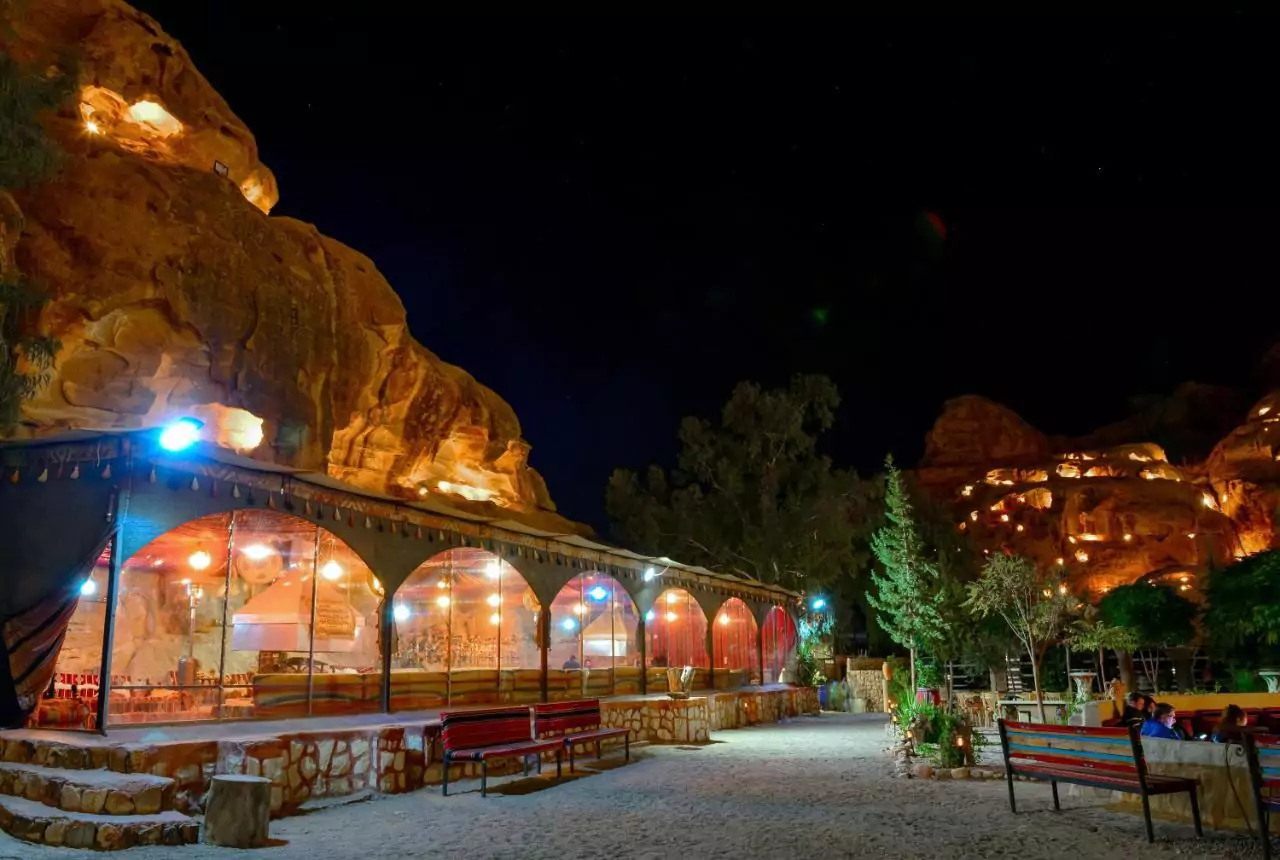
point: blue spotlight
(181, 434)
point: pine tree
(906, 593)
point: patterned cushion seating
(491, 733)
(574, 723)
(1106, 757)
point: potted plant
(927, 679)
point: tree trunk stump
(238, 811)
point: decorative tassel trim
(195, 484)
(75, 472)
(106, 473)
(44, 476)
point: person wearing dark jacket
(1161, 724)
(1135, 709)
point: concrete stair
(83, 808)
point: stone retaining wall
(393, 759)
(868, 684)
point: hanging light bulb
(569, 624)
(598, 593)
(671, 616)
(331, 571)
(495, 618)
(724, 620)
(199, 560)
(672, 597)
(494, 600)
(256, 552)
(89, 588)
(400, 612)
(443, 601)
(579, 609)
(493, 569)
(649, 616)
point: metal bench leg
(570, 746)
(597, 749)
(1054, 786)
(484, 777)
(1013, 806)
(558, 754)
(1264, 829)
(539, 764)
(626, 740)
(1195, 811)
(446, 774)
(1146, 814)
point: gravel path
(815, 787)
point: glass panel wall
(677, 632)
(71, 701)
(226, 617)
(734, 644)
(466, 632)
(593, 648)
(778, 639)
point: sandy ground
(815, 787)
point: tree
(906, 592)
(1158, 618)
(28, 153)
(1095, 635)
(1028, 599)
(1242, 624)
(751, 495)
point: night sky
(612, 221)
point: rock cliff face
(174, 293)
(1109, 515)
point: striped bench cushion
(491, 727)
(563, 718)
(1091, 748)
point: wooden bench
(1109, 758)
(576, 722)
(1263, 753)
(491, 733)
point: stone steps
(33, 821)
(92, 791)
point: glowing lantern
(1021, 528)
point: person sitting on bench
(1229, 729)
(1161, 724)
(1135, 709)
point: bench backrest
(1114, 749)
(559, 718)
(460, 730)
(1264, 766)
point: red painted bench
(576, 722)
(1263, 753)
(491, 733)
(1109, 758)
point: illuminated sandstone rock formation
(1111, 515)
(1245, 471)
(173, 292)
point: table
(1028, 710)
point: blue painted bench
(1263, 753)
(1098, 757)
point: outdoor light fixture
(400, 612)
(818, 604)
(494, 600)
(649, 616)
(649, 574)
(598, 593)
(181, 434)
(671, 616)
(199, 560)
(331, 571)
(672, 597)
(443, 601)
(495, 618)
(92, 127)
(569, 624)
(724, 620)
(257, 551)
(579, 609)
(89, 588)
(492, 569)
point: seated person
(1161, 724)
(1135, 709)
(571, 663)
(1230, 726)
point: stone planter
(1084, 685)
(1272, 679)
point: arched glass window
(734, 643)
(256, 614)
(466, 625)
(779, 642)
(677, 632)
(593, 650)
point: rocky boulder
(174, 293)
